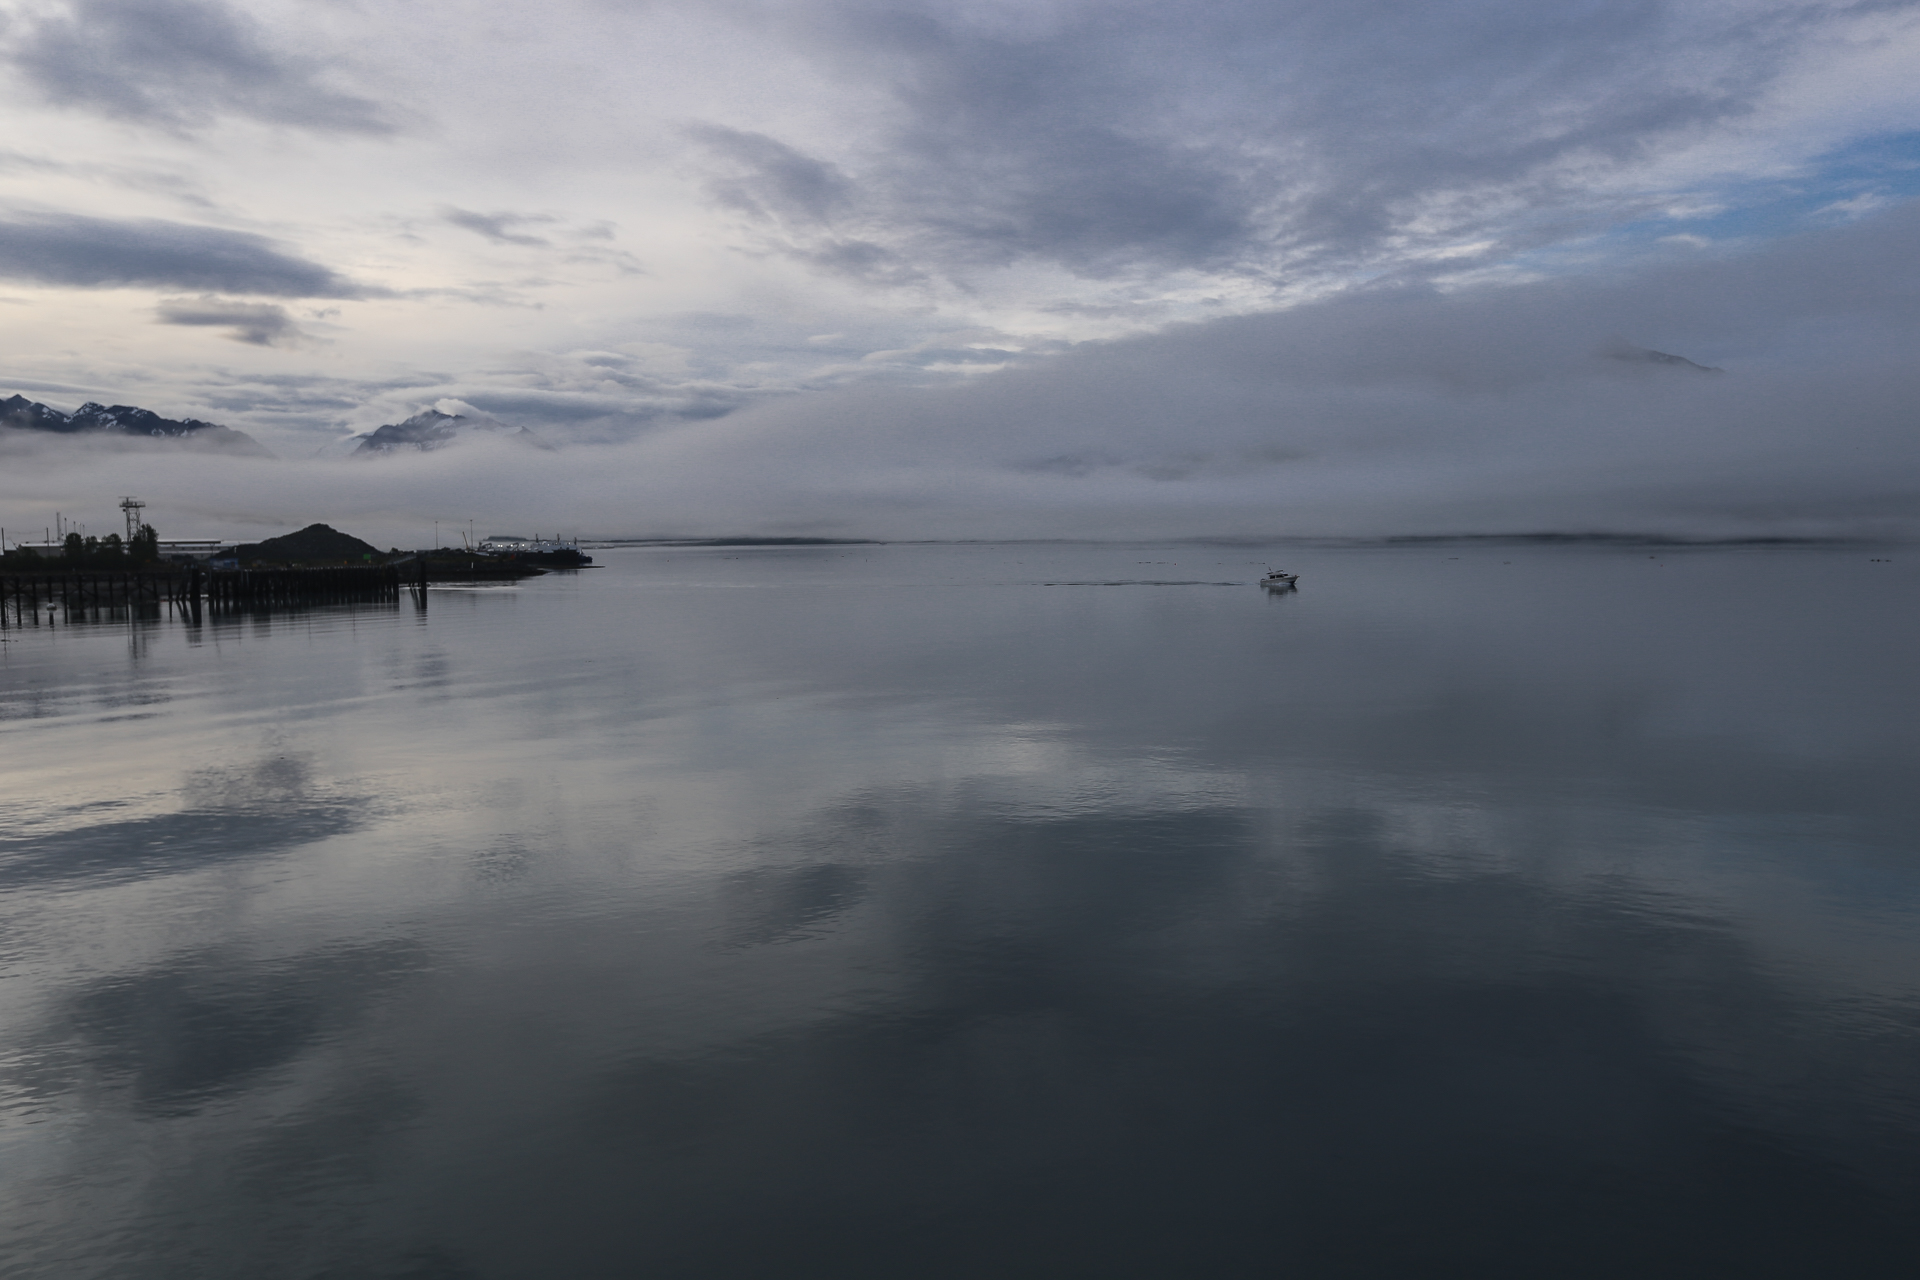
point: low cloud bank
(1486, 410)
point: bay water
(977, 910)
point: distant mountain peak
(1622, 350)
(22, 414)
(432, 429)
(93, 418)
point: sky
(877, 268)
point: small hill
(315, 542)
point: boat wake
(1143, 582)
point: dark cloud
(774, 181)
(261, 324)
(498, 227)
(588, 416)
(180, 63)
(1312, 137)
(77, 251)
(812, 209)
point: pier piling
(79, 592)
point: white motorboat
(1279, 578)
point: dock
(25, 596)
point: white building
(170, 548)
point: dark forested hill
(315, 542)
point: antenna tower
(132, 507)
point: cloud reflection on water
(228, 814)
(1553, 912)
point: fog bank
(1489, 409)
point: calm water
(890, 912)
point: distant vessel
(549, 552)
(1278, 578)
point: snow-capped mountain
(431, 429)
(21, 414)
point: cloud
(808, 206)
(498, 227)
(1272, 141)
(260, 324)
(180, 64)
(1053, 172)
(1044, 174)
(1005, 151)
(96, 253)
(773, 181)
(1386, 411)
(1404, 409)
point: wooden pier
(256, 588)
(23, 596)
(26, 596)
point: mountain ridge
(432, 429)
(93, 418)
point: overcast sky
(876, 267)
